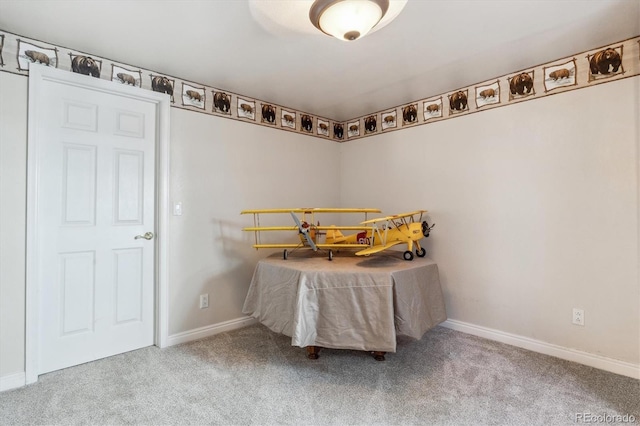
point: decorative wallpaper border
(601, 65)
(18, 52)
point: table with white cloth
(351, 302)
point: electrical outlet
(578, 316)
(204, 301)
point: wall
(13, 178)
(218, 167)
(536, 207)
(536, 212)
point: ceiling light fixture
(347, 20)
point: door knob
(146, 236)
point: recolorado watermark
(604, 418)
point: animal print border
(221, 102)
(288, 118)
(389, 120)
(38, 54)
(410, 114)
(458, 101)
(193, 96)
(306, 123)
(271, 114)
(246, 109)
(433, 109)
(353, 129)
(338, 131)
(322, 127)
(522, 86)
(86, 65)
(371, 124)
(163, 83)
(268, 114)
(596, 72)
(560, 75)
(487, 94)
(127, 77)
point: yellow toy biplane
(396, 229)
(308, 229)
(375, 235)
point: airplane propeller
(426, 228)
(304, 231)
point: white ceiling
(433, 46)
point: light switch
(177, 209)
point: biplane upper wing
(392, 217)
(312, 210)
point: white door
(95, 193)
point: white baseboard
(12, 381)
(209, 330)
(628, 369)
(596, 361)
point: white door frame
(38, 74)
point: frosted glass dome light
(347, 20)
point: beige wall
(13, 178)
(536, 212)
(218, 168)
(535, 205)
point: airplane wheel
(285, 254)
(330, 255)
(421, 253)
(408, 255)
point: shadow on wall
(236, 243)
(228, 237)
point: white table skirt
(348, 303)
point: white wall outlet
(204, 301)
(177, 209)
(578, 316)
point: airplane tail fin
(334, 236)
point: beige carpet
(253, 376)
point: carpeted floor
(254, 376)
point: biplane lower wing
(377, 249)
(317, 228)
(320, 246)
(271, 228)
